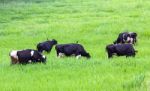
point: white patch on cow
(131, 40)
(60, 55)
(44, 56)
(128, 39)
(79, 56)
(32, 52)
(29, 61)
(14, 54)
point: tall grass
(24, 23)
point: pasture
(94, 24)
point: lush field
(94, 23)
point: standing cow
(26, 56)
(126, 37)
(46, 46)
(120, 50)
(71, 49)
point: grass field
(94, 23)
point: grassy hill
(94, 23)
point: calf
(126, 37)
(26, 56)
(120, 50)
(71, 49)
(46, 46)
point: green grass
(94, 23)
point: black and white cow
(71, 49)
(120, 50)
(126, 37)
(46, 46)
(26, 56)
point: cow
(126, 37)
(46, 45)
(71, 49)
(120, 50)
(26, 56)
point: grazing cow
(126, 37)
(120, 50)
(46, 46)
(26, 56)
(71, 49)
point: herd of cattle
(123, 46)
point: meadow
(94, 24)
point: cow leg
(12, 61)
(30, 61)
(48, 51)
(110, 55)
(57, 53)
(78, 56)
(60, 55)
(129, 55)
(23, 62)
(133, 55)
(39, 49)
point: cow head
(54, 41)
(38, 57)
(133, 35)
(87, 55)
(14, 57)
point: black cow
(120, 50)
(126, 37)
(71, 49)
(46, 46)
(26, 56)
